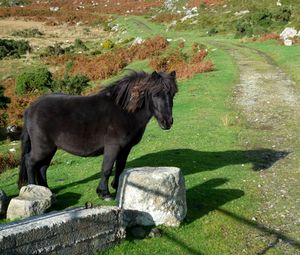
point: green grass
(205, 142)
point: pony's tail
(25, 147)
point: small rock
(32, 200)
(288, 42)
(3, 202)
(137, 40)
(54, 9)
(240, 13)
(155, 232)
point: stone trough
(74, 231)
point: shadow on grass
(191, 161)
(204, 198)
(201, 199)
(272, 232)
(65, 200)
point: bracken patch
(266, 37)
(197, 3)
(18, 104)
(76, 11)
(110, 63)
(8, 161)
(185, 69)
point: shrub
(54, 50)
(77, 46)
(266, 37)
(11, 3)
(30, 32)
(262, 21)
(3, 99)
(212, 31)
(8, 161)
(181, 44)
(283, 14)
(71, 85)
(199, 56)
(13, 48)
(111, 62)
(166, 17)
(107, 44)
(29, 81)
(196, 47)
(185, 69)
(95, 52)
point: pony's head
(161, 96)
(153, 91)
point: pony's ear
(173, 74)
(155, 75)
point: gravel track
(270, 103)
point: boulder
(32, 200)
(288, 33)
(152, 196)
(3, 202)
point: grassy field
(219, 172)
(207, 142)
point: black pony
(110, 123)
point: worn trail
(268, 99)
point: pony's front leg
(110, 155)
(120, 165)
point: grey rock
(155, 232)
(152, 196)
(287, 42)
(32, 200)
(3, 202)
(288, 33)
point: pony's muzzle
(167, 123)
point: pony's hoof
(107, 198)
(114, 185)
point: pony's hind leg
(31, 168)
(41, 175)
(37, 164)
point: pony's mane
(131, 91)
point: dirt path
(270, 103)
(52, 34)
